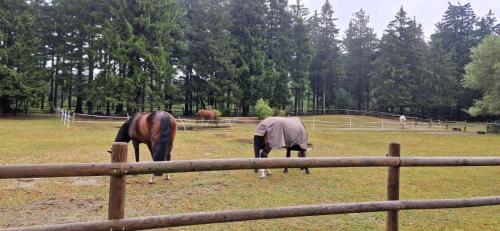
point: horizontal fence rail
(113, 169)
(152, 222)
(119, 168)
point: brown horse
(205, 115)
(156, 130)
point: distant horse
(205, 115)
(278, 132)
(402, 121)
(156, 129)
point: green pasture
(25, 202)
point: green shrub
(278, 112)
(217, 113)
(262, 109)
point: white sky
(427, 12)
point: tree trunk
(42, 102)
(62, 94)
(324, 96)
(69, 97)
(56, 82)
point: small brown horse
(156, 130)
(205, 115)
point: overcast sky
(427, 12)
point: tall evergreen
(278, 48)
(210, 54)
(325, 68)
(441, 86)
(360, 44)
(301, 55)
(398, 70)
(460, 30)
(22, 68)
(247, 31)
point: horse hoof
(268, 172)
(307, 172)
(168, 177)
(151, 182)
(285, 171)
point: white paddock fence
(64, 115)
(372, 121)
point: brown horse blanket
(283, 132)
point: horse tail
(164, 143)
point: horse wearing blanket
(280, 132)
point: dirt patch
(85, 181)
(83, 205)
(22, 184)
(222, 135)
(245, 141)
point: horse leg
(303, 154)
(300, 154)
(258, 144)
(152, 150)
(135, 143)
(265, 152)
(167, 177)
(288, 152)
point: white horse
(402, 121)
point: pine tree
(441, 86)
(21, 60)
(278, 48)
(211, 52)
(246, 29)
(360, 44)
(301, 56)
(459, 31)
(487, 25)
(398, 67)
(325, 68)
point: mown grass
(45, 140)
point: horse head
(123, 134)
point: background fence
(119, 168)
(352, 120)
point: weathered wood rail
(119, 168)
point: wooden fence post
(117, 183)
(393, 188)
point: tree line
(120, 56)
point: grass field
(26, 202)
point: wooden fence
(119, 168)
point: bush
(217, 113)
(262, 109)
(278, 112)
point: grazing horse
(279, 132)
(156, 130)
(205, 115)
